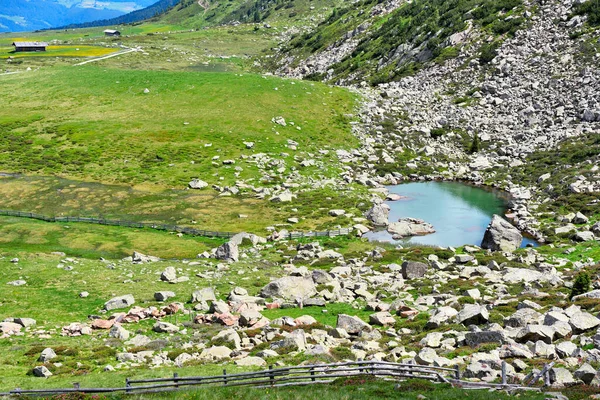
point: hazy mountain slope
(139, 15)
(26, 15)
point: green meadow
(101, 124)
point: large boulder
(169, 275)
(523, 317)
(378, 214)
(228, 251)
(352, 324)
(474, 339)
(582, 322)
(534, 333)
(290, 288)
(204, 294)
(10, 328)
(228, 337)
(247, 238)
(215, 353)
(41, 372)
(165, 327)
(440, 316)
(197, 184)
(410, 227)
(119, 302)
(560, 377)
(501, 236)
(472, 314)
(47, 355)
(413, 269)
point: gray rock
(413, 269)
(228, 252)
(249, 317)
(284, 197)
(25, 322)
(295, 341)
(566, 349)
(406, 227)
(118, 332)
(165, 327)
(163, 295)
(119, 302)
(582, 322)
(230, 337)
(219, 307)
(534, 333)
(41, 372)
(472, 314)
(215, 353)
(580, 219)
(441, 316)
(378, 214)
(474, 339)
(290, 288)
(197, 184)
(47, 355)
(169, 275)
(463, 258)
(523, 317)
(594, 294)
(352, 324)
(205, 294)
(501, 236)
(560, 377)
(251, 362)
(585, 236)
(586, 373)
(382, 318)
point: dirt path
(108, 56)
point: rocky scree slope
(525, 96)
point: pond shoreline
(459, 211)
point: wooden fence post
(457, 372)
(127, 385)
(175, 376)
(504, 372)
(224, 377)
(271, 375)
(312, 374)
(76, 385)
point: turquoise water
(459, 213)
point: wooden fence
(164, 227)
(272, 377)
(302, 375)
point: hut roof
(30, 44)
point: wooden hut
(30, 46)
(112, 32)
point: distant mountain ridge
(28, 15)
(155, 9)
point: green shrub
(488, 52)
(581, 284)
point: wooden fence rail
(272, 377)
(164, 227)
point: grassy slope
(98, 124)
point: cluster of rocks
(562, 334)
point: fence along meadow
(164, 227)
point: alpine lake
(460, 213)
